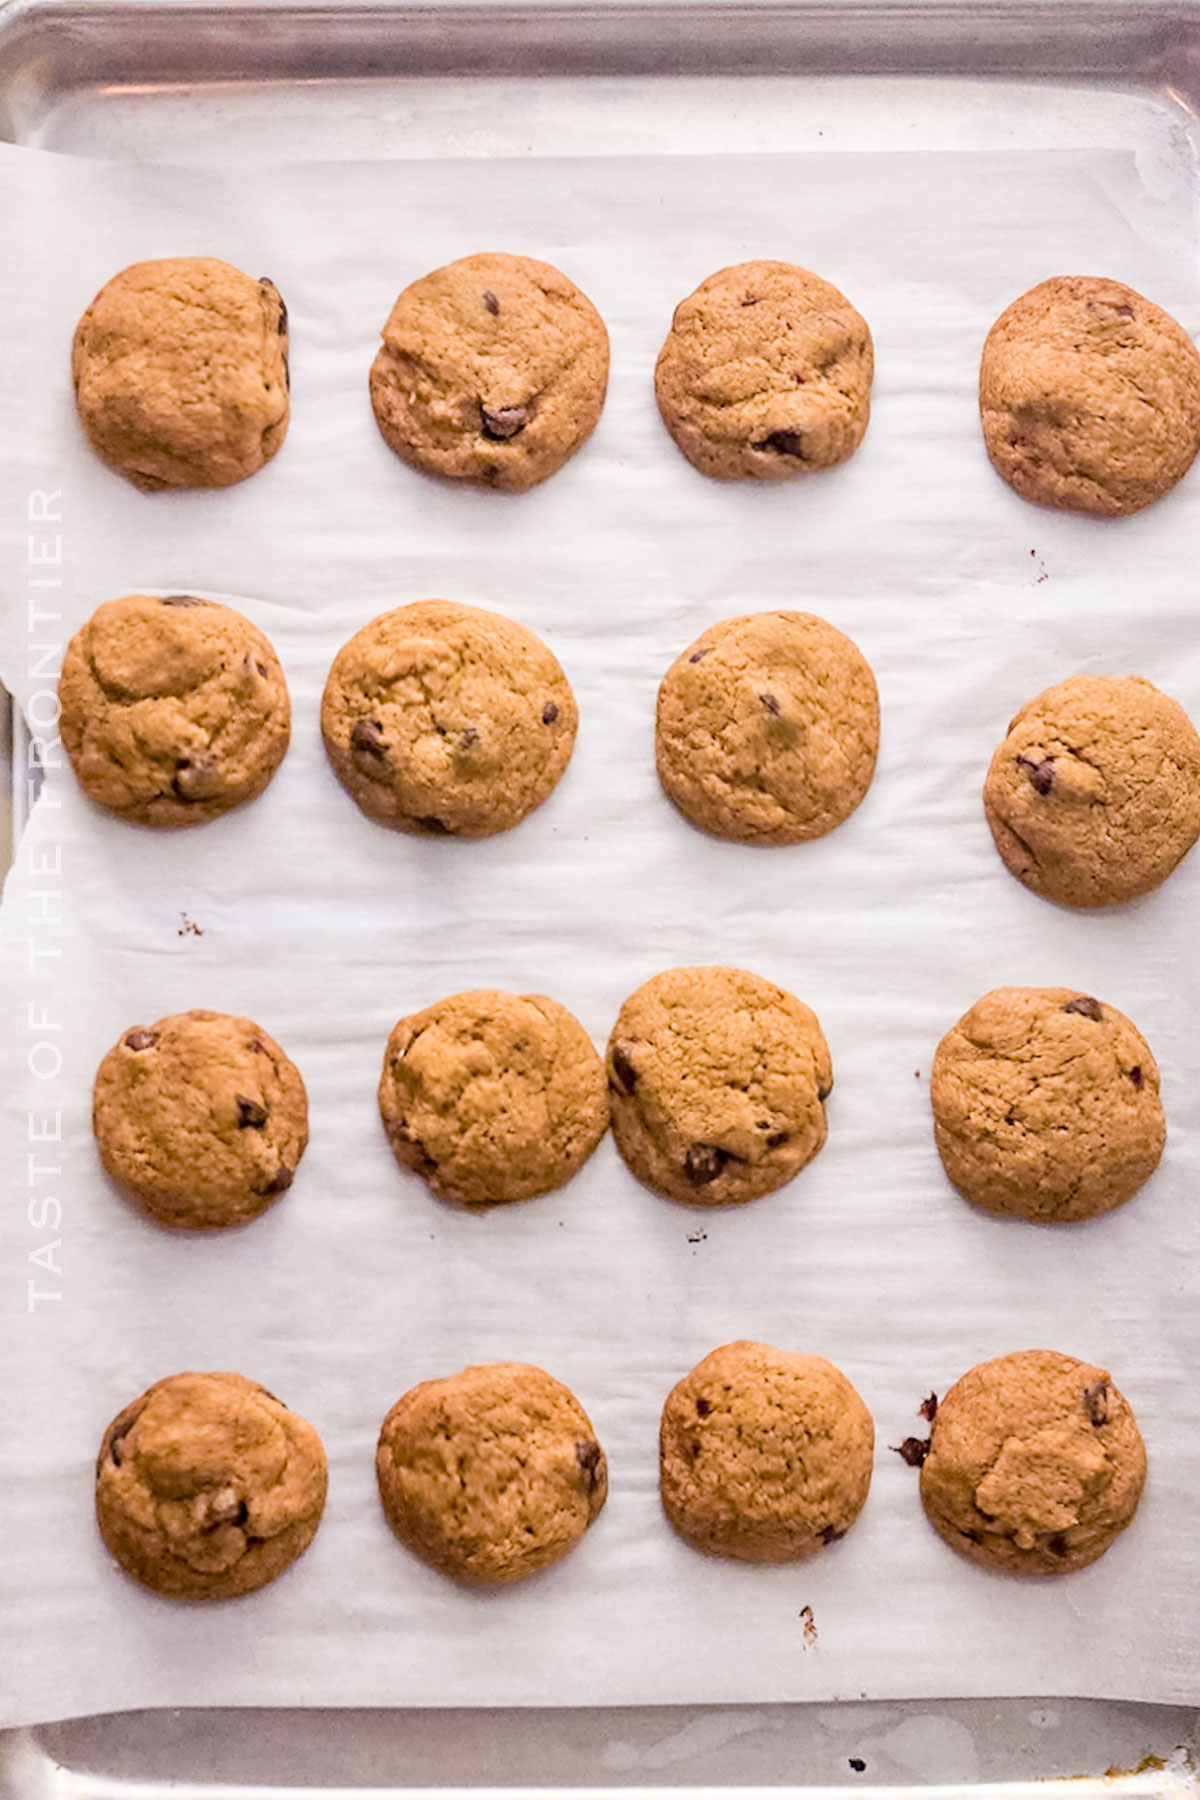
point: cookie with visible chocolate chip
(764, 1456)
(208, 1487)
(446, 719)
(766, 372)
(491, 1474)
(717, 1085)
(493, 370)
(492, 1097)
(200, 1118)
(1094, 795)
(1035, 1464)
(1090, 397)
(1046, 1105)
(174, 709)
(181, 373)
(768, 728)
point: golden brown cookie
(1046, 1105)
(490, 1474)
(1090, 397)
(201, 1118)
(1035, 1464)
(493, 370)
(768, 728)
(174, 710)
(440, 718)
(717, 1082)
(208, 1487)
(492, 1097)
(764, 1455)
(1094, 795)
(181, 374)
(766, 372)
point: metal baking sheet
(234, 82)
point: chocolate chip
(249, 1112)
(182, 600)
(771, 703)
(279, 1183)
(1058, 1545)
(469, 738)
(257, 1044)
(1126, 312)
(1085, 1006)
(367, 737)
(505, 423)
(928, 1407)
(265, 281)
(140, 1040)
(703, 1163)
(914, 1451)
(786, 443)
(114, 1448)
(1041, 774)
(490, 301)
(1135, 1075)
(623, 1069)
(697, 656)
(549, 713)
(749, 299)
(824, 1089)
(830, 1534)
(704, 1407)
(857, 1764)
(195, 776)
(590, 1457)
(224, 1508)
(778, 1139)
(432, 825)
(1095, 1402)
(262, 669)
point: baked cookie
(181, 373)
(208, 1487)
(1035, 1464)
(201, 1118)
(493, 370)
(492, 1097)
(1094, 795)
(1090, 397)
(491, 1474)
(766, 372)
(717, 1082)
(1046, 1105)
(768, 728)
(445, 718)
(764, 1455)
(174, 710)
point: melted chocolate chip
(785, 443)
(1136, 1076)
(824, 1089)
(703, 1163)
(1095, 1402)
(1085, 1006)
(505, 423)
(279, 1183)
(367, 737)
(490, 301)
(182, 600)
(698, 656)
(140, 1040)
(434, 826)
(262, 669)
(1041, 774)
(549, 713)
(114, 1448)
(1126, 312)
(703, 1408)
(225, 1509)
(749, 299)
(914, 1451)
(778, 1139)
(249, 1112)
(830, 1534)
(1058, 1545)
(623, 1069)
(928, 1407)
(771, 703)
(265, 281)
(194, 776)
(590, 1457)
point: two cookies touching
(208, 1487)
(493, 371)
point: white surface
(326, 928)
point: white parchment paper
(326, 928)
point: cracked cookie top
(493, 370)
(174, 710)
(1090, 397)
(1046, 1105)
(1094, 795)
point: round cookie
(766, 372)
(1094, 795)
(492, 1097)
(200, 1118)
(447, 719)
(208, 1487)
(1035, 1464)
(490, 1474)
(181, 373)
(493, 370)
(764, 1456)
(1090, 397)
(1046, 1105)
(717, 1081)
(768, 728)
(174, 710)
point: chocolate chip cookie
(201, 1118)
(492, 1097)
(768, 728)
(174, 710)
(717, 1082)
(441, 718)
(1046, 1105)
(208, 1487)
(1035, 1464)
(491, 1474)
(766, 372)
(493, 370)
(1094, 795)
(181, 373)
(1090, 397)
(764, 1456)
